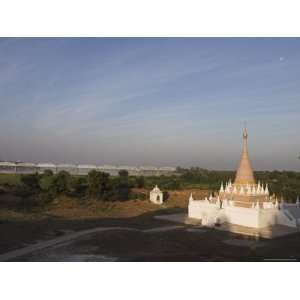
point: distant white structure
(244, 202)
(7, 167)
(26, 168)
(31, 168)
(42, 167)
(72, 169)
(85, 169)
(156, 196)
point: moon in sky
(281, 58)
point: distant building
(111, 170)
(72, 169)
(42, 167)
(156, 196)
(132, 171)
(149, 171)
(30, 168)
(26, 168)
(85, 169)
(8, 167)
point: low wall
(208, 213)
(242, 216)
(248, 217)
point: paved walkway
(72, 236)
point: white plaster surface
(156, 196)
(210, 214)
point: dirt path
(71, 236)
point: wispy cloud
(173, 101)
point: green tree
(98, 184)
(46, 180)
(173, 184)
(46, 183)
(31, 181)
(123, 173)
(140, 182)
(60, 183)
(48, 173)
(122, 187)
(78, 186)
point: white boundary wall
(210, 214)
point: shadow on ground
(141, 244)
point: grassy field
(26, 223)
(10, 179)
(11, 208)
(15, 207)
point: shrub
(123, 173)
(140, 182)
(48, 173)
(60, 184)
(78, 186)
(31, 181)
(98, 184)
(46, 182)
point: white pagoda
(244, 202)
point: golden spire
(244, 173)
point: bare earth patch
(147, 241)
(244, 243)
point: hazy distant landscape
(39, 206)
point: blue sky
(150, 101)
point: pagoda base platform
(270, 232)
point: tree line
(284, 184)
(45, 187)
(101, 186)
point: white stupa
(156, 196)
(245, 203)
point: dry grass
(10, 215)
(10, 179)
(72, 208)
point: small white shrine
(156, 196)
(245, 202)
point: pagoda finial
(244, 174)
(245, 132)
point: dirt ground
(22, 228)
(19, 227)
(174, 245)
